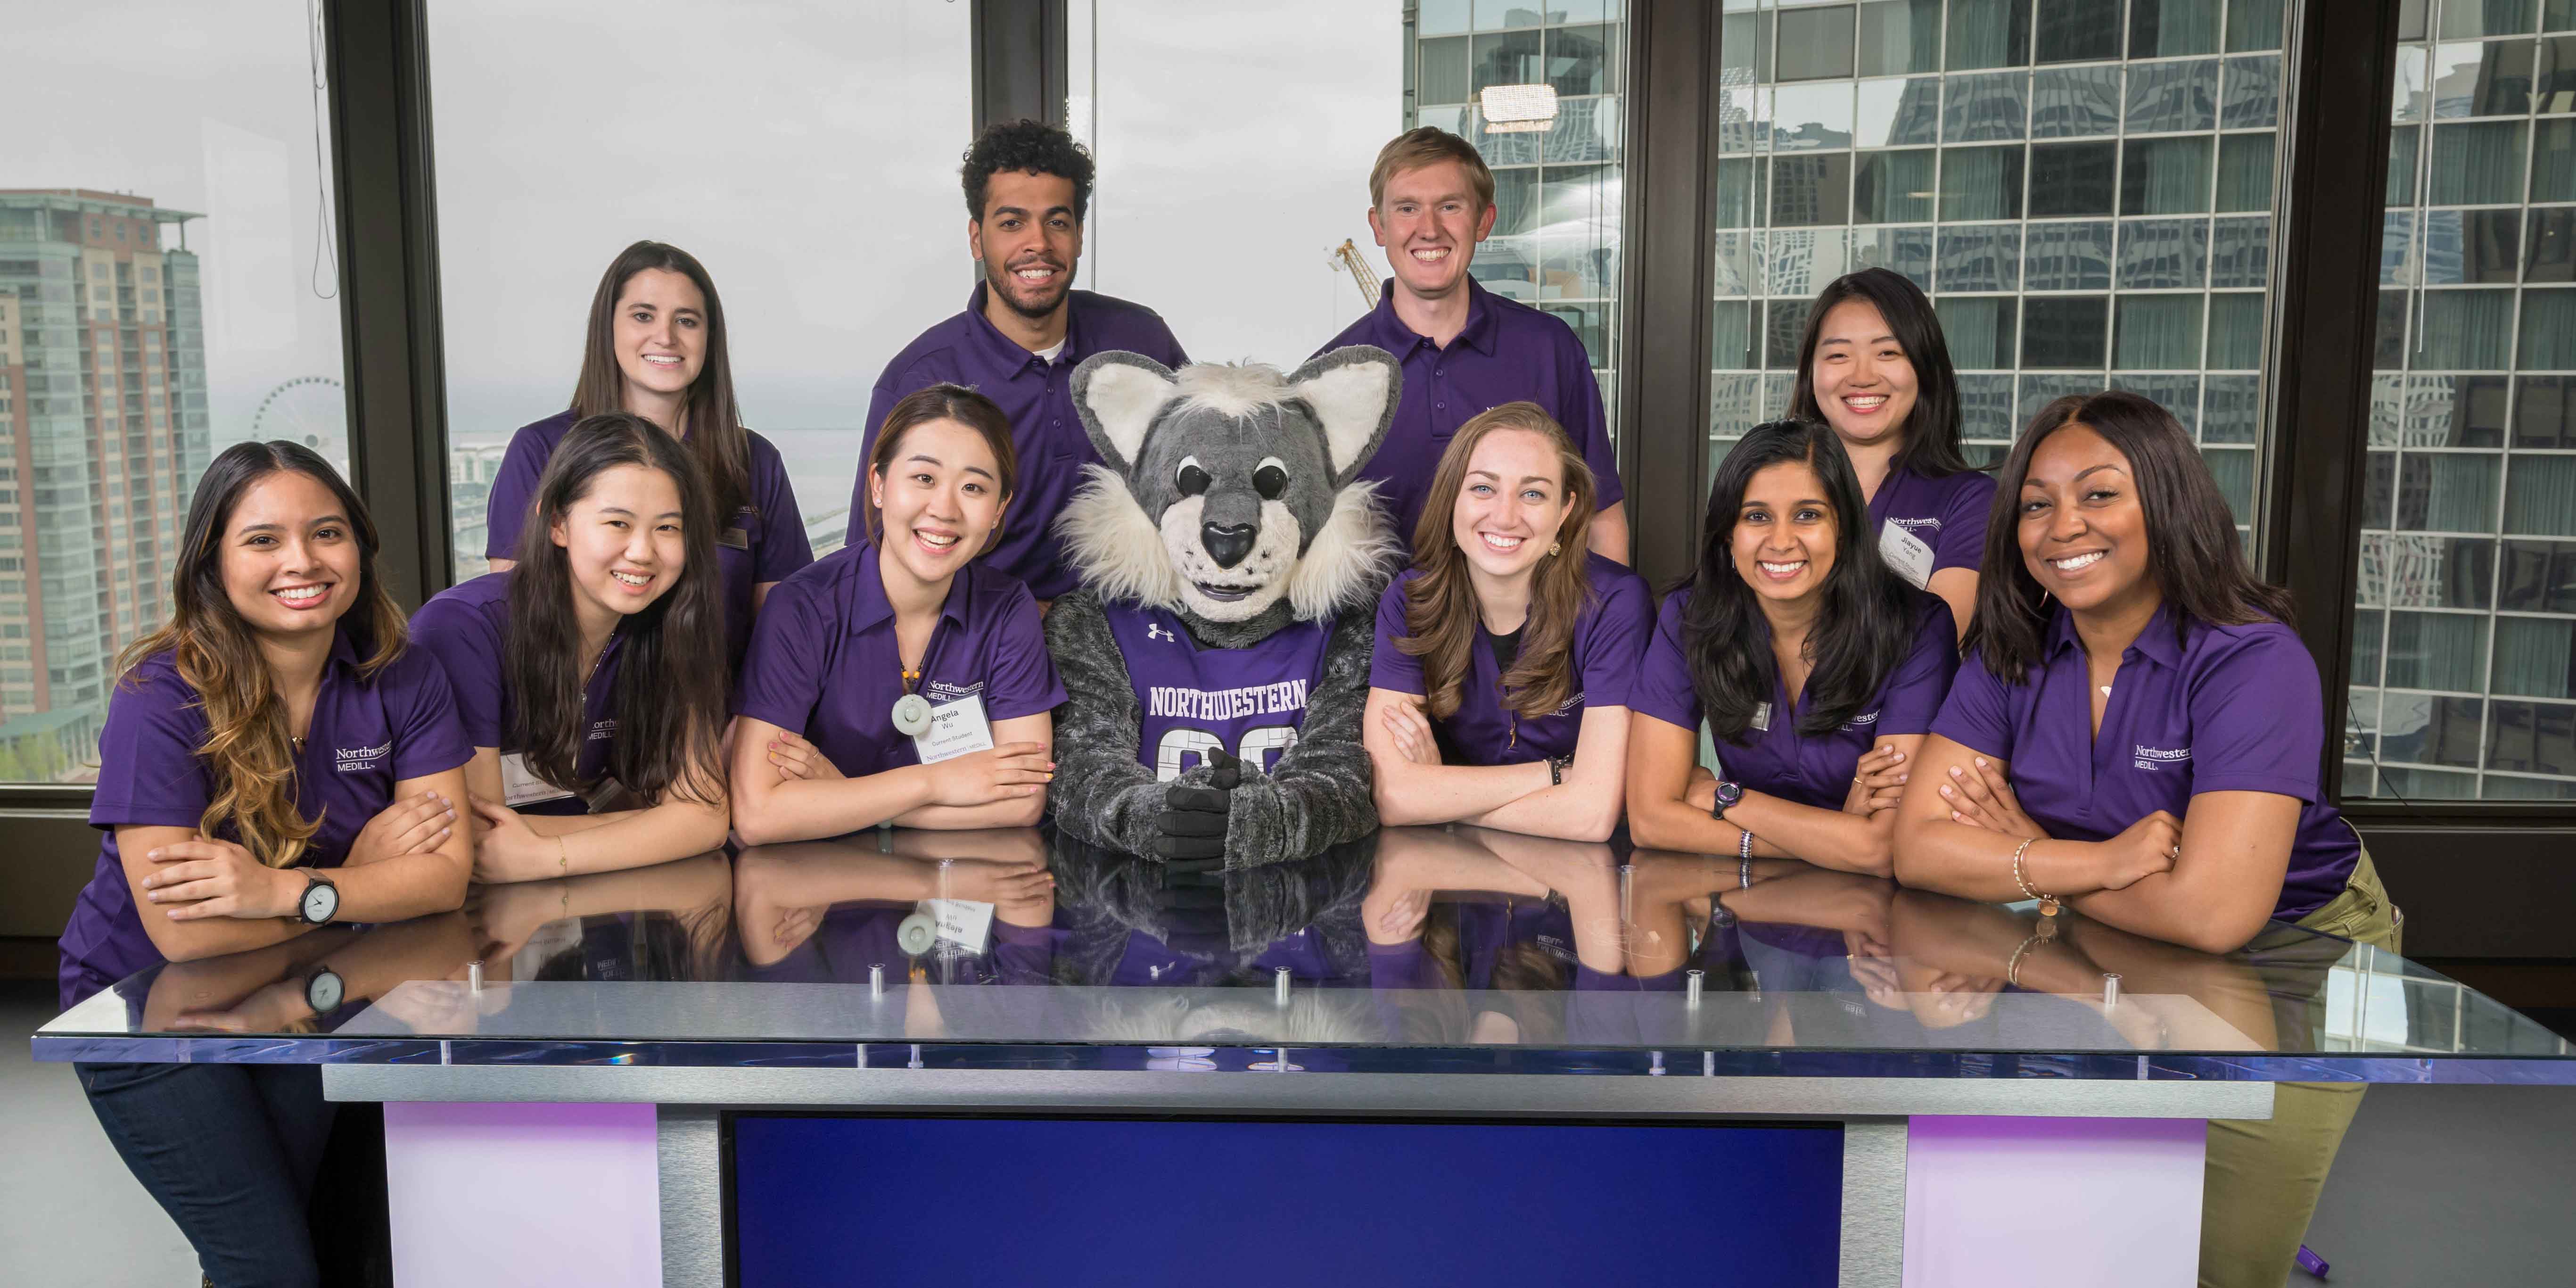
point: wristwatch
(324, 990)
(321, 901)
(1728, 795)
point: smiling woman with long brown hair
(277, 729)
(1498, 692)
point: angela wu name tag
(1907, 553)
(734, 539)
(956, 729)
(521, 786)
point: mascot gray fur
(1229, 512)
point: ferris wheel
(311, 410)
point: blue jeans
(230, 1152)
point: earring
(1555, 546)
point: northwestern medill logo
(1933, 524)
(356, 758)
(2150, 757)
(1863, 720)
(1155, 631)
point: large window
(166, 289)
(807, 155)
(2084, 187)
(1227, 221)
(2464, 652)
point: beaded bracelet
(2047, 903)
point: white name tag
(956, 729)
(1907, 553)
(1762, 717)
(967, 923)
(521, 786)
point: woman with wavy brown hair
(274, 760)
(1499, 691)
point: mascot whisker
(1216, 658)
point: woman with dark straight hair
(1815, 666)
(2138, 733)
(656, 348)
(902, 678)
(1498, 694)
(1873, 365)
(590, 675)
(275, 731)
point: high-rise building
(103, 431)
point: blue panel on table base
(1067, 1202)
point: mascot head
(1230, 487)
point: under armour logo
(1155, 631)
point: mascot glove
(1191, 825)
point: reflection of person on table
(693, 894)
(273, 989)
(1788, 913)
(784, 893)
(1493, 912)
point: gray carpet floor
(2436, 1185)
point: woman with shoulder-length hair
(2138, 732)
(1816, 668)
(901, 678)
(591, 674)
(274, 759)
(1873, 364)
(656, 348)
(1498, 692)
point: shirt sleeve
(514, 485)
(783, 544)
(1023, 679)
(148, 771)
(1169, 351)
(420, 711)
(467, 647)
(1390, 667)
(782, 671)
(2257, 717)
(1663, 686)
(1978, 713)
(1963, 523)
(1586, 424)
(1914, 694)
(1614, 642)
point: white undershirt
(1047, 355)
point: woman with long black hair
(1873, 364)
(591, 674)
(2138, 733)
(274, 759)
(656, 348)
(1816, 668)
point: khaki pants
(2262, 1179)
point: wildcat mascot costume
(1216, 659)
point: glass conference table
(1439, 1055)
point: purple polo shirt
(824, 662)
(1947, 514)
(1609, 637)
(1249, 701)
(1509, 352)
(2222, 709)
(467, 628)
(764, 542)
(365, 736)
(1037, 396)
(1780, 761)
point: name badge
(734, 538)
(1762, 717)
(1907, 553)
(521, 786)
(956, 729)
(967, 923)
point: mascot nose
(1227, 543)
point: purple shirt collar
(2161, 641)
(1392, 335)
(874, 607)
(1004, 353)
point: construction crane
(1346, 258)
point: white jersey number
(1183, 750)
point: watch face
(323, 992)
(321, 900)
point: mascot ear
(1353, 391)
(1118, 395)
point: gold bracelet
(2046, 934)
(2047, 903)
(563, 855)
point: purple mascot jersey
(1247, 701)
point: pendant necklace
(912, 711)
